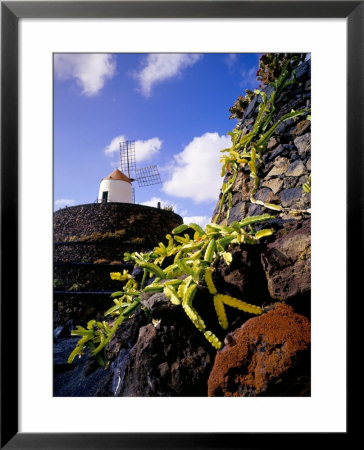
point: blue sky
(176, 108)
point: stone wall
(137, 221)
(93, 231)
(89, 243)
(286, 164)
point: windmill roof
(117, 175)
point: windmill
(145, 176)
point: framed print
(56, 59)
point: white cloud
(147, 149)
(114, 145)
(196, 173)
(200, 220)
(154, 202)
(144, 150)
(160, 67)
(231, 59)
(89, 70)
(62, 202)
(249, 79)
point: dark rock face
(268, 356)
(287, 261)
(170, 358)
(83, 378)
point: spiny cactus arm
(264, 233)
(197, 229)
(190, 310)
(210, 251)
(220, 312)
(172, 295)
(78, 350)
(152, 268)
(261, 144)
(98, 357)
(101, 344)
(192, 245)
(184, 286)
(214, 340)
(266, 205)
(239, 304)
(120, 277)
(209, 282)
(116, 309)
(126, 313)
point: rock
(301, 128)
(126, 335)
(289, 182)
(255, 210)
(266, 196)
(250, 109)
(237, 212)
(158, 305)
(83, 378)
(272, 143)
(63, 331)
(308, 164)
(269, 355)
(303, 144)
(281, 129)
(274, 184)
(287, 261)
(280, 166)
(57, 332)
(118, 368)
(303, 70)
(290, 196)
(270, 156)
(168, 361)
(296, 169)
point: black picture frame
(11, 12)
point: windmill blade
(147, 176)
(127, 157)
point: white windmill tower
(117, 187)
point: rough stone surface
(290, 196)
(274, 184)
(83, 220)
(96, 230)
(82, 378)
(287, 261)
(301, 128)
(269, 355)
(280, 167)
(266, 195)
(303, 144)
(172, 360)
(296, 169)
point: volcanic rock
(269, 355)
